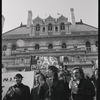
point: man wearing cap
(19, 91)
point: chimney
(3, 20)
(29, 20)
(72, 16)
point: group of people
(55, 86)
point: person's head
(18, 77)
(53, 72)
(77, 73)
(62, 75)
(36, 78)
(42, 77)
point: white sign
(8, 80)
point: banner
(42, 62)
(8, 80)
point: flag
(33, 61)
(58, 58)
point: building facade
(50, 41)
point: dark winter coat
(39, 94)
(22, 94)
(86, 90)
(59, 91)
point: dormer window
(50, 27)
(37, 27)
(62, 26)
(56, 29)
(43, 29)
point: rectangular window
(43, 29)
(56, 29)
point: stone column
(53, 30)
(46, 29)
(58, 29)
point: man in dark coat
(57, 90)
(19, 91)
(81, 88)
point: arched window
(96, 43)
(50, 27)
(88, 46)
(63, 45)
(62, 26)
(37, 46)
(14, 47)
(4, 48)
(50, 46)
(37, 27)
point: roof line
(90, 25)
(14, 29)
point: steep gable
(50, 18)
(37, 19)
(62, 18)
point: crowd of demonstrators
(56, 84)
(19, 91)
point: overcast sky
(16, 11)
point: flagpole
(30, 62)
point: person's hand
(74, 88)
(11, 92)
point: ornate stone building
(50, 40)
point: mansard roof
(49, 18)
(25, 31)
(21, 30)
(82, 27)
